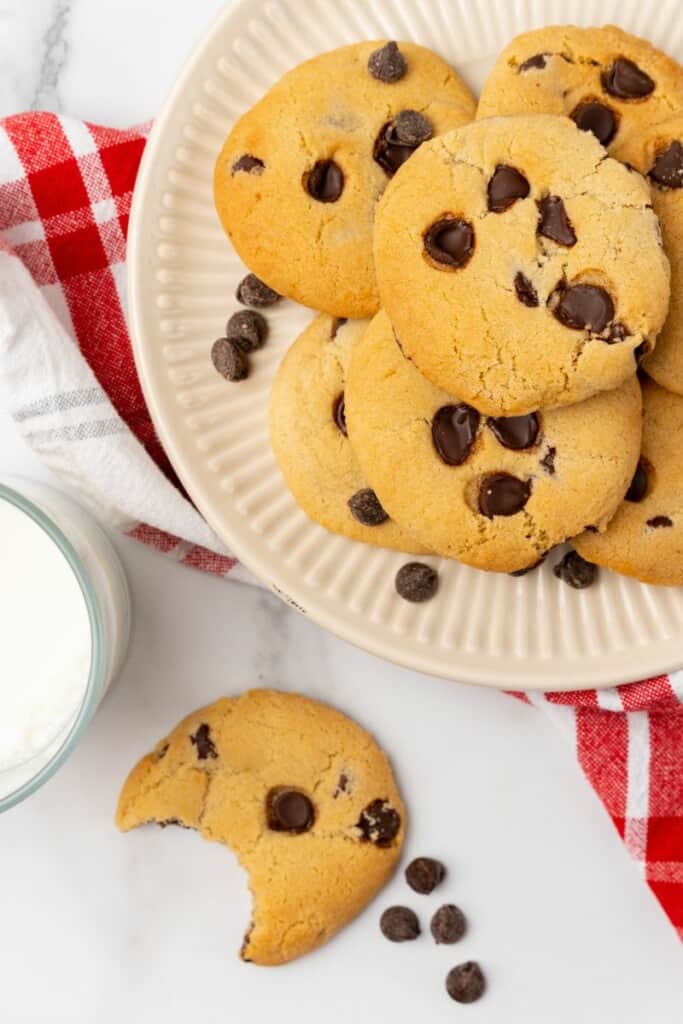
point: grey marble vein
(55, 54)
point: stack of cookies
(489, 280)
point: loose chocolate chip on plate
(203, 742)
(379, 823)
(247, 329)
(576, 571)
(658, 521)
(399, 924)
(338, 322)
(252, 291)
(548, 461)
(584, 307)
(516, 432)
(626, 80)
(450, 242)
(398, 139)
(667, 170)
(423, 874)
(249, 164)
(554, 223)
(502, 494)
(537, 62)
(339, 413)
(325, 181)
(465, 983)
(365, 507)
(505, 187)
(526, 293)
(454, 429)
(448, 924)
(229, 359)
(387, 64)
(593, 116)
(289, 810)
(416, 582)
(641, 478)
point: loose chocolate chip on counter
(454, 429)
(229, 359)
(626, 80)
(247, 329)
(667, 170)
(398, 139)
(526, 293)
(641, 478)
(399, 924)
(554, 223)
(423, 874)
(339, 413)
(338, 322)
(249, 164)
(416, 582)
(505, 187)
(450, 242)
(325, 181)
(252, 291)
(516, 432)
(537, 62)
(584, 307)
(387, 64)
(379, 823)
(502, 494)
(658, 521)
(593, 116)
(448, 925)
(548, 461)
(365, 507)
(203, 742)
(576, 571)
(465, 983)
(289, 810)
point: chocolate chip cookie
(645, 538)
(309, 437)
(494, 492)
(298, 179)
(532, 263)
(610, 83)
(301, 794)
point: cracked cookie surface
(614, 84)
(297, 181)
(308, 433)
(645, 537)
(495, 493)
(299, 792)
(533, 262)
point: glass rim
(90, 700)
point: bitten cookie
(299, 792)
(309, 438)
(645, 538)
(495, 493)
(298, 179)
(611, 83)
(658, 154)
(520, 266)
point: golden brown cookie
(299, 792)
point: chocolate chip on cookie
(502, 494)
(448, 925)
(252, 291)
(465, 983)
(399, 924)
(365, 507)
(506, 186)
(526, 293)
(554, 223)
(535, 63)
(516, 432)
(575, 571)
(639, 485)
(626, 81)
(203, 742)
(667, 170)
(387, 64)
(379, 823)
(584, 307)
(339, 413)
(450, 242)
(325, 181)
(423, 874)
(657, 522)
(398, 139)
(416, 582)
(593, 116)
(289, 810)
(247, 329)
(249, 164)
(454, 431)
(548, 460)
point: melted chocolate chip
(247, 329)
(338, 322)
(584, 307)
(366, 509)
(554, 223)
(325, 182)
(502, 494)
(379, 823)
(516, 432)
(398, 139)
(626, 80)
(339, 413)
(399, 924)
(454, 429)
(465, 983)
(248, 164)
(575, 571)
(450, 242)
(505, 187)
(667, 170)
(203, 742)
(387, 64)
(658, 521)
(535, 63)
(593, 116)
(252, 291)
(424, 874)
(548, 461)
(526, 293)
(448, 925)
(641, 478)
(289, 810)
(229, 359)
(416, 582)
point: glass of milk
(64, 630)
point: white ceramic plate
(530, 632)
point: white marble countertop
(100, 928)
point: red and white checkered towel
(69, 381)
